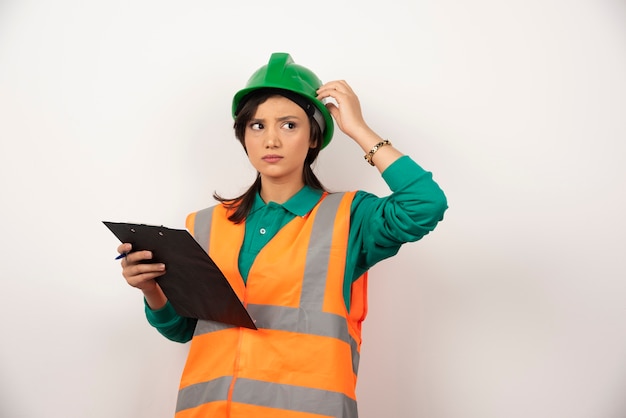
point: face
(277, 140)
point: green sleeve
(379, 226)
(169, 324)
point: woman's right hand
(142, 275)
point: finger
(325, 92)
(140, 280)
(124, 248)
(131, 272)
(333, 109)
(138, 256)
(337, 84)
(337, 95)
(343, 86)
(328, 89)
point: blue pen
(121, 256)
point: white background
(513, 307)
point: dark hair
(239, 207)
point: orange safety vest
(302, 362)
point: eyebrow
(280, 119)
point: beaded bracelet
(369, 155)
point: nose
(271, 138)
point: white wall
(513, 307)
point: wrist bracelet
(369, 155)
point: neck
(279, 192)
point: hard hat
(283, 74)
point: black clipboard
(194, 285)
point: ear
(313, 143)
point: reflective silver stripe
(202, 227)
(302, 321)
(284, 318)
(356, 356)
(318, 254)
(307, 322)
(201, 393)
(272, 395)
(204, 326)
(294, 398)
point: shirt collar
(299, 204)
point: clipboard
(193, 283)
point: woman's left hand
(347, 112)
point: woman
(296, 255)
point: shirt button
(262, 231)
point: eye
(256, 126)
(289, 125)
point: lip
(272, 158)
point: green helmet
(283, 74)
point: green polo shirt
(378, 227)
